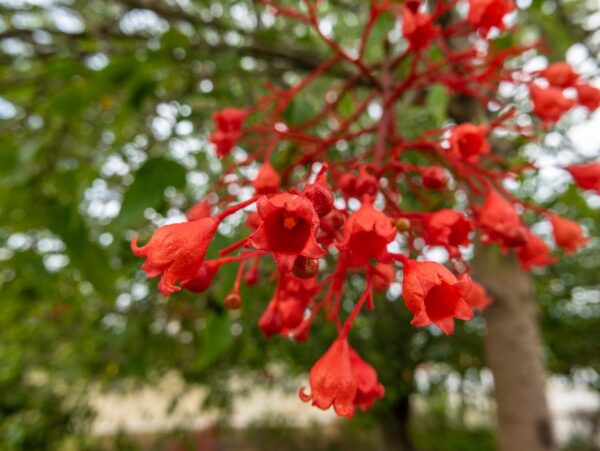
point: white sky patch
(66, 20)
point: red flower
(560, 75)
(200, 210)
(368, 388)
(434, 295)
(567, 234)
(288, 228)
(468, 141)
(267, 181)
(486, 14)
(434, 177)
(202, 279)
(366, 235)
(500, 222)
(321, 197)
(588, 96)
(271, 321)
(586, 175)
(534, 253)
(384, 275)
(228, 123)
(417, 28)
(176, 252)
(332, 380)
(549, 104)
(478, 297)
(447, 228)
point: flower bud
(233, 301)
(402, 224)
(305, 267)
(321, 198)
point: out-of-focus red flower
(368, 388)
(366, 235)
(500, 222)
(271, 321)
(447, 228)
(567, 234)
(418, 28)
(434, 177)
(534, 253)
(385, 274)
(288, 228)
(586, 175)
(268, 180)
(486, 14)
(228, 124)
(176, 252)
(478, 297)
(332, 380)
(549, 104)
(588, 96)
(468, 142)
(203, 278)
(200, 210)
(434, 295)
(560, 75)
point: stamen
(290, 223)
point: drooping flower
(287, 229)
(271, 321)
(434, 295)
(267, 181)
(368, 388)
(228, 124)
(588, 96)
(486, 14)
(567, 234)
(500, 222)
(332, 381)
(560, 75)
(202, 279)
(586, 175)
(447, 228)
(434, 177)
(176, 252)
(385, 274)
(478, 297)
(467, 141)
(534, 253)
(366, 235)
(549, 104)
(418, 28)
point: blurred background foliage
(104, 110)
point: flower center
(290, 223)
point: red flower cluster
(229, 129)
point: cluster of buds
(320, 219)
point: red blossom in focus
(500, 222)
(228, 124)
(434, 295)
(486, 14)
(560, 75)
(288, 228)
(468, 142)
(549, 104)
(447, 228)
(478, 298)
(567, 234)
(586, 175)
(418, 28)
(267, 181)
(366, 235)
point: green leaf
(374, 48)
(437, 101)
(217, 338)
(298, 111)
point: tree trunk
(397, 431)
(514, 354)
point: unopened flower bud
(305, 267)
(233, 301)
(402, 224)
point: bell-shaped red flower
(268, 180)
(486, 14)
(534, 253)
(203, 278)
(287, 229)
(434, 177)
(478, 298)
(384, 275)
(332, 381)
(434, 295)
(500, 222)
(228, 123)
(549, 104)
(447, 228)
(418, 28)
(588, 96)
(176, 252)
(271, 321)
(368, 388)
(366, 235)
(467, 141)
(586, 175)
(567, 234)
(560, 75)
